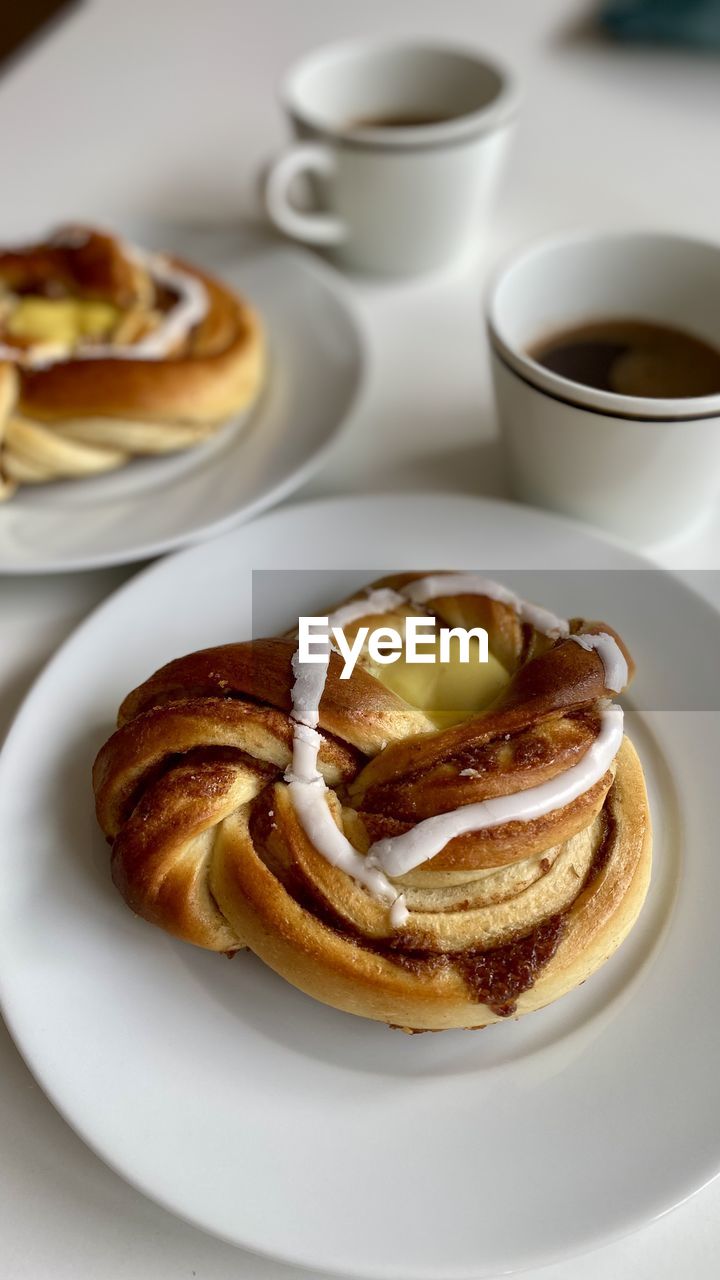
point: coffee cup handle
(312, 228)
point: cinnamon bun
(430, 848)
(108, 353)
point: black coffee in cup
(632, 358)
(410, 120)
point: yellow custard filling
(448, 692)
(66, 321)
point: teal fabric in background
(694, 23)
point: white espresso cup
(643, 467)
(403, 143)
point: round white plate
(305, 1133)
(316, 367)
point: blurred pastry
(427, 846)
(109, 353)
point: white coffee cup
(645, 468)
(403, 198)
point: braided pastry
(469, 844)
(108, 353)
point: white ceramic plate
(316, 366)
(304, 1133)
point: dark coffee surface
(397, 122)
(632, 358)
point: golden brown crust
(334, 968)
(80, 259)
(359, 710)
(509, 842)
(207, 843)
(218, 374)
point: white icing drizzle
(396, 855)
(309, 800)
(474, 584)
(39, 356)
(399, 912)
(399, 854)
(383, 600)
(308, 688)
(611, 656)
(188, 311)
(306, 746)
(308, 790)
(310, 677)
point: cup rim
(609, 403)
(500, 111)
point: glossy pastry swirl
(210, 844)
(108, 353)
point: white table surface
(130, 108)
